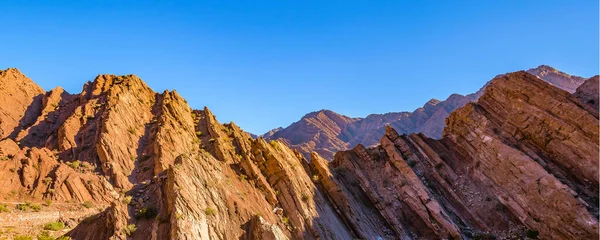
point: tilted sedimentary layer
(524, 158)
(119, 160)
(327, 132)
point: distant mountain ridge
(327, 132)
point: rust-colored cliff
(120, 161)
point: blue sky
(264, 64)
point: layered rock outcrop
(124, 162)
(327, 137)
(557, 78)
(588, 92)
(507, 167)
(317, 131)
(156, 168)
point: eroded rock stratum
(120, 161)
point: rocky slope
(328, 136)
(524, 158)
(557, 78)
(152, 166)
(316, 131)
(588, 92)
(120, 161)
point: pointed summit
(20, 97)
(104, 82)
(557, 78)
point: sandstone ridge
(120, 161)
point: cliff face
(119, 161)
(150, 167)
(510, 164)
(588, 92)
(326, 137)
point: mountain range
(120, 161)
(327, 132)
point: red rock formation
(588, 92)
(510, 157)
(21, 100)
(557, 78)
(316, 131)
(321, 132)
(523, 159)
(168, 172)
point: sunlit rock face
(119, 160)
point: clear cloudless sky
(264, 64)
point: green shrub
(131, 130)
(315, 178)
(243, 177)
(24, 206)
(285, 220)
(36, 207)
(48, 202)
(54, 226)
(126, 199)
(210, 211)
(147, 212)
(129, 229)
(23, 237)
(305, 197)
(74, 164)
(4, 208)
(44, 235)
(47, 180)
(88, 204)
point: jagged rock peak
(433, 102)
(555, 77)
(324, 113)
(104, 82)
(10, 70)
(16, 77)
(20, 100)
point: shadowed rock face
(588, 92)
(24, 98)
(327, 132)
(521, 160)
